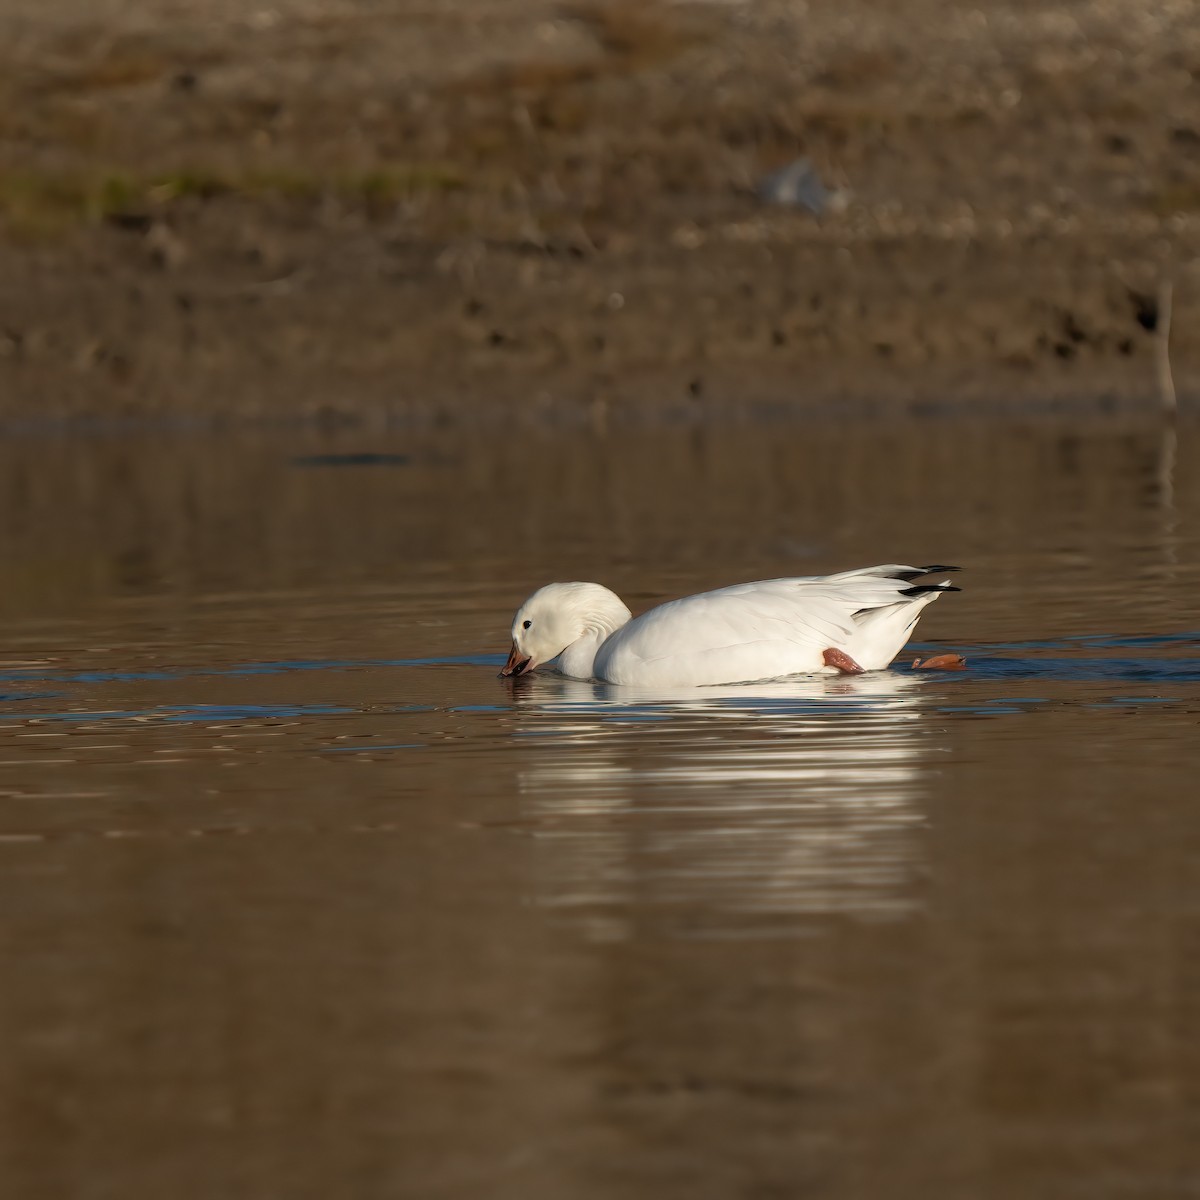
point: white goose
(853, 622)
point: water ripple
(762, 803)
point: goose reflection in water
(725, 811)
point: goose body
(855, 621)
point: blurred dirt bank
(435, 206)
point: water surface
(299, 899)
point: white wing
(768, 629)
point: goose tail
(885, 625)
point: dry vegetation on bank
(356, 206)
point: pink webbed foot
(940, 662)
(842, 661)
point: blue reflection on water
(33, 675)
(818, 696)
(184, 713)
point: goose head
(558, 618)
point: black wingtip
(918, 572)
(925, 588)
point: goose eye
(527, 625)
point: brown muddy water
(300, 900)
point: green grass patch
(36, 203)
(1175, 198)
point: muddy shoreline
(376, 211)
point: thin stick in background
(1162, 347)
